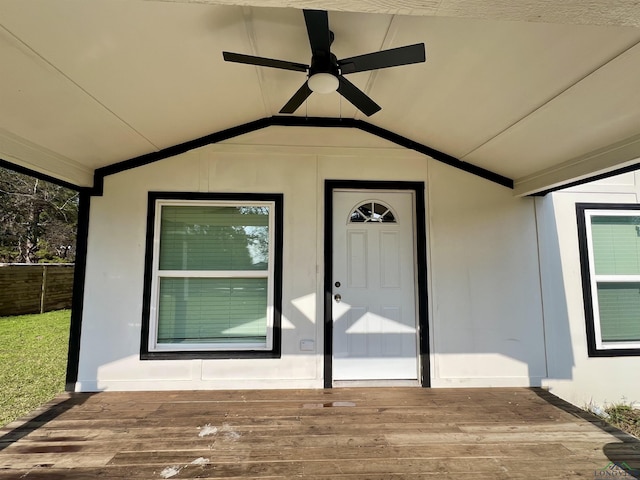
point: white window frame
(153, 344)
(594, 279)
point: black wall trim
(287, 121)
(421, 263)
(423, 314)
(328, 283)
(276, 351)
(100, 173)
(587, 293)
(77, 303)
(437, 155)
(612, 173)
(40, 176)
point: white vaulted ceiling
(543, 102)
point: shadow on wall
(508, 337)
(300, 313)
(517, 312)
(559, 346)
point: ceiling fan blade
(264, 62)
(298, 98)
(357, 97)
(384, 59)
(318, 30)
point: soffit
(88, 84)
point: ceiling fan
(326, 72)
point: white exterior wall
(572, 374)
(485, 300)
(485, 309)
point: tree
(38, 220)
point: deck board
(350, 433)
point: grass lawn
(33, 361)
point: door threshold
(376, 383)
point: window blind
(214, 238)
(212, 310)
(616, 244)
(619, 305)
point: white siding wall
(484, 288)
(572, 374)
(485, 291)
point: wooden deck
(345, 433)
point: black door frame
(421, 272)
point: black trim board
(421, 263)
(587, 294)
(41, 176)
(77, 302)
(101, 173)
(79, 274)
(287, 121)
(602, 176)
(276, 350)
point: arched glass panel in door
(372, 211)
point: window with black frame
(213, 274)
(610, 260)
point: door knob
(337, 297)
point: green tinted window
(616, 244)
(619, 305)
(214, 238)
(212, 310)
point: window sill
(614, 352)
(207, 355)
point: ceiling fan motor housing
(324, 62)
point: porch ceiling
(544, 102)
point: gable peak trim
(291, 121)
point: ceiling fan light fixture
(323, 83)
(325, 73)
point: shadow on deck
(351, 433)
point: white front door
(373, 286)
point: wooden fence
(35, 288)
